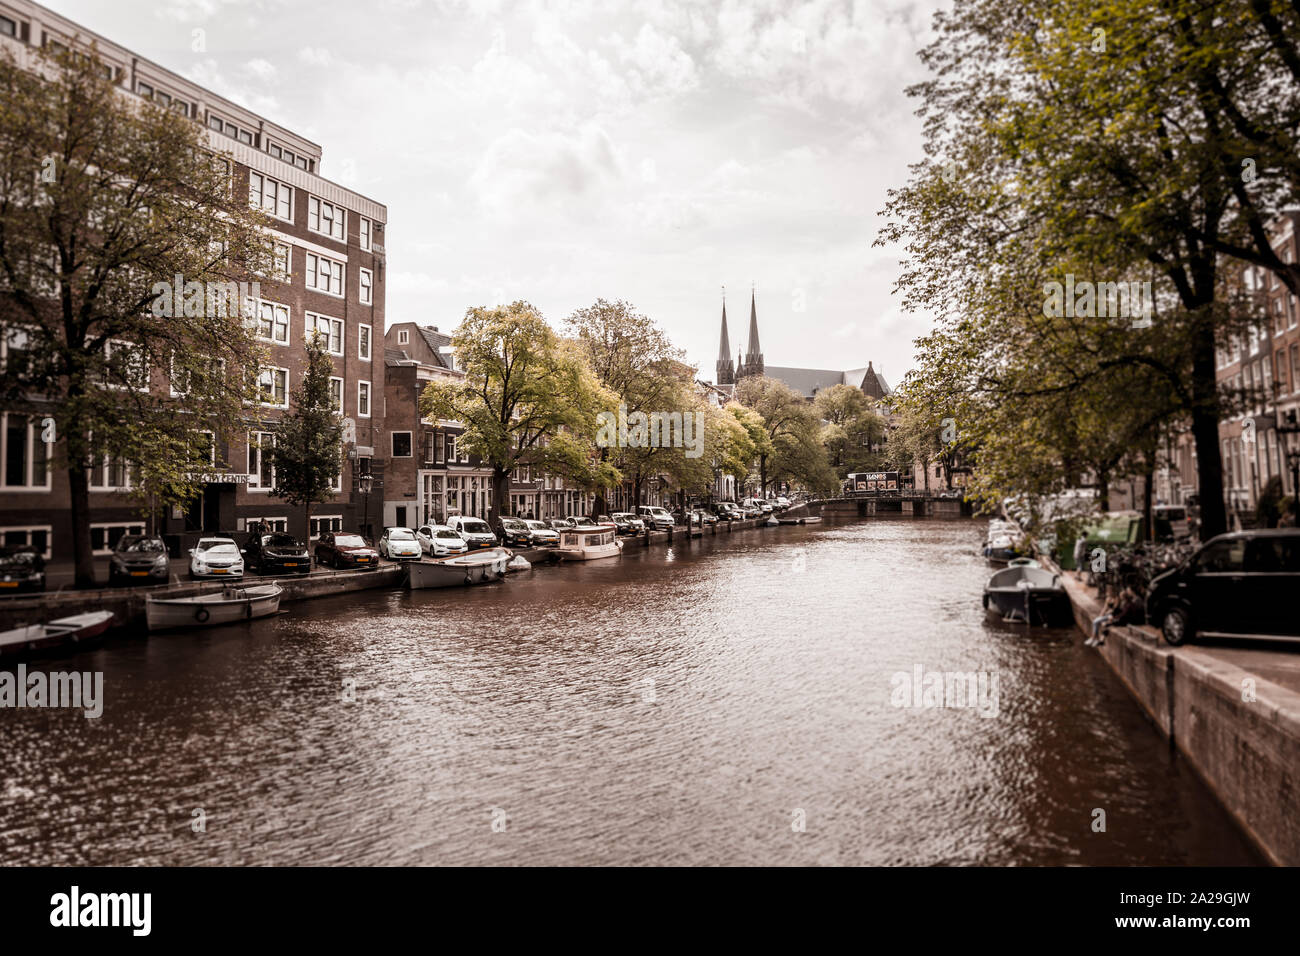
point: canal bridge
(865, 505)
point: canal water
(738, 701)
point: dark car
(344, 549)
(512, 532)
(1240, 585)
(727, 511)
(22, 568)
(623, 523)
(277, 553)
(139, 559)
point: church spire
(726, 371)
(754, 357)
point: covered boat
(587, 542)
(64, 630)
(1027, 593)
(223, 607)
(477, 567)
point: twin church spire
(750, 363)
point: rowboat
(223, 607)
(65, 630)
(477, 567)
(1027, 593)
(585, 543)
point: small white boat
(477, 567)
(1028, 593)
(223, 607)
(518, 563)
(588, 542)
(64, 630)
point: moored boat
(223, 607)
(1029, 594)
(588, 542)
(65, 630)
(474, 568)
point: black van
(1243, 585)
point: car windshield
(349, 541)
(221, 549)
(475, 527)
(400, 534)
(510, 525)
(17, 558)
(138, 544)
(448, 533)
(279, 541)
(211, 545)
(536, 526)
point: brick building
(331, 240)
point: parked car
(762, 507)
(139, 559)
(703, 517)
(216, 558)
(345, 549)
(475, 531)
(1240, 585)
(626, 523)
(438, 540)
(559, 524)
(726, 510)
(400, 544)
(655, 517)
(276, 553)
(512, 532)
(542, 536)
(22, 568)
(782, 502)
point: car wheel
(1176, 626)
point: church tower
(754, 357)
(726, 371)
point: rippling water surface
(683, 706)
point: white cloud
(521, 168)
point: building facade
(330, 242)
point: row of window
(273, 324)
(163, 99)
(1286, 314)
(276, 198)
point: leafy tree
(306, 455)
(794, 449)
(528, 397)
(101, 197)
(851, 426)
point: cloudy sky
(566, 150)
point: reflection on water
(726, 702)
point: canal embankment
(1234, 715)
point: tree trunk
(500, 494)
(1103, 489)
(762, 475)
(1148, 512)
(1205, 432)
(306, 518)
(79, 509)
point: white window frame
(28, 529)
(33, 437)
(315, 522)
(403, 337)
(318, 210)
(365, 233)
(339, 380)
(366, 287)
(366, 338)
(99, 468)
(337, 270)
(255, 475)
(285, 274)
(110, 346)
(392, 444)
(128, 527)
(312, 324)
(370, 399)
(263, 181)
(288, 322)
(272, 369)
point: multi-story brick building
(330, 239)
(428, 475)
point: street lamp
(364, 483)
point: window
(324, 524)
(363, 343)
(364, 229)
(36, 537)
(214, 122)
(246, 137)
(283, 262)
(363, 399)
(324, 275)
(144, 89)
(104, 537)
(327, 219)
(330, 330)
(204, 445)
(450, 444)
(403, 337)
(273, 322)
(25, 453)
(125, 366)
(366, 291)
(273, 387)
(110, 473)
(269, 195)
(1224, 557)
(302, 162)
(261, 476)
(336, 394)
(8, 27)
(183, 379)
(401, 444)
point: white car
(543, 537)
(216, 558)
(475, 531)
(659, 517)
(438, 540)
(399, 544)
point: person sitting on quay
(1122, 608)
